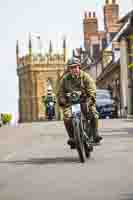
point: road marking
(9, 156)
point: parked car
(105, 104)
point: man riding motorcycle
(77, 80)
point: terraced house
(111, 53)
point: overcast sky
(51, 19)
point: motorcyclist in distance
(49, 102)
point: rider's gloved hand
(62, 101)
(91, 101)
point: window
(104, 42)
(96, 50)
(103, 94)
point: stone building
(115, 67)
(35, 73)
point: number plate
(76, 108)
(51, 103)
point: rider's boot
(69, 129)
(94, 128)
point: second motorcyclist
(49, 102)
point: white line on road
(9, 156)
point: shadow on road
(128, 196)
(127, 120)
(43, 161)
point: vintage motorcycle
(80, 123)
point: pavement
(36, 163)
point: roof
(124, 18)
(122, 30)
(108, 70)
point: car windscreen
(103, 95)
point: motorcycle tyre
(78, 140)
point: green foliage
(6, 118)
(130, 65)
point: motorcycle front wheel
(78, 139)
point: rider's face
(75, 70)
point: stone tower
(35, 72)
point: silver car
(105, 104)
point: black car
(105, 104)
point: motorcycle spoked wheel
(78, 139)
(86, 148)
(87, 152)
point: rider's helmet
(49, 90)
(73, 62)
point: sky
(52, 20)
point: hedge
(6, 118)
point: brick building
(94, 39)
